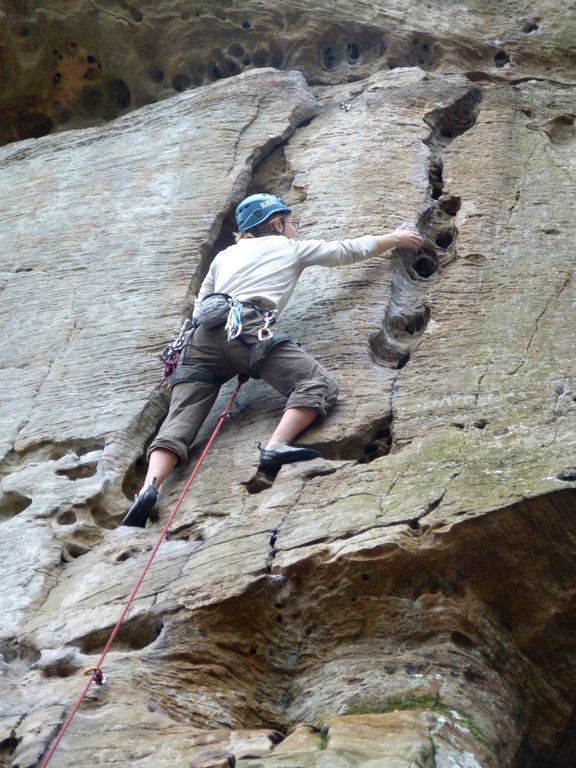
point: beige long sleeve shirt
(266, 269)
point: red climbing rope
(96, 674)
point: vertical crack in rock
(430, 758)
(408, 312)
(557, 293)
(272, 550)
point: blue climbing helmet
(257, 209)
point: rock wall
(409, 599)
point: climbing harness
(172, 351)
(97, 676)
(218, 308)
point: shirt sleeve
(334, 253)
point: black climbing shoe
(143, 505)
(285, 454)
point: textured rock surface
(409, 600)
(78, 62)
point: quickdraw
(233, 325)
(98, 676)
(171, 353)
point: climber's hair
(262, 230)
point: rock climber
(246, 288)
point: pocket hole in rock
(329, 57)
(425, 264)
(450, 204)
(353, 52)
(435, 177)
(13, 504)
(403, 360)
(444, 239)
(78, 473)
(73, 550)
(102, 517)
(418, 323)
(501, 58)
(180, 83)
(134, 635)
(156, 75)
(126, 555)
(461, 640)
(12, 651)
(66, 518)
(8, 747)
(62, 666)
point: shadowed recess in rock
(83, 526)
(495, 606)
(45, 452)
(7, 747)
(135, 634)
(11, 504)
(80, 472)
(12, 650)
(78, 78)
(61, 664)
(368, 442)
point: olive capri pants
(209, 360)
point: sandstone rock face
(410, 599)
(74, 63)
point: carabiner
(264, 333)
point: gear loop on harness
(171, 353)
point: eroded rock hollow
(408, 600)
